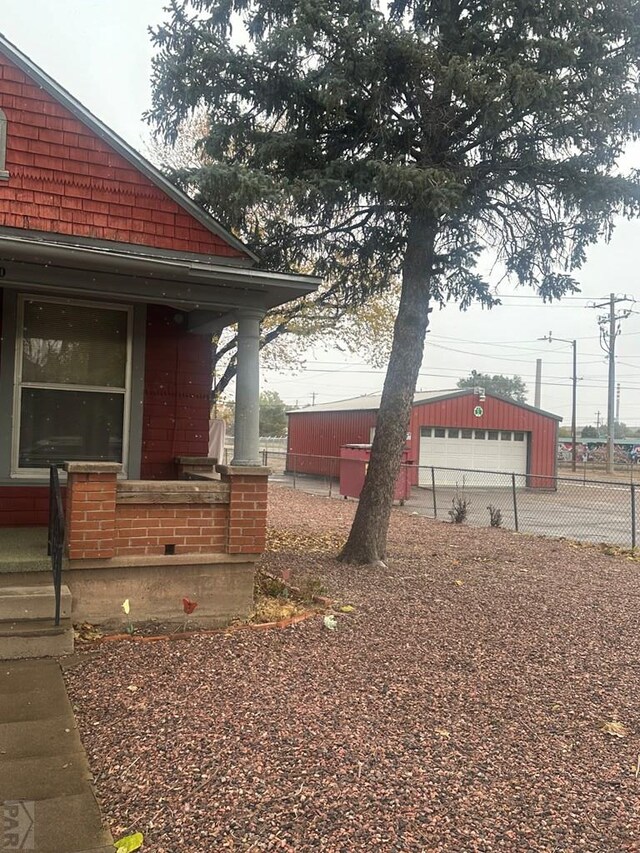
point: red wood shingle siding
(66, 180)
(24, 505)
(175, 412)
(177, 386)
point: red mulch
(459, 707)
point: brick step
(35, 638)
(19, 603)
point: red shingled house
(111, 283)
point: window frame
(4, 174)
(38, 473)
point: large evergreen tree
(408, 136)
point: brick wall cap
(243, 470)
(93, 467)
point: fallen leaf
(443, 733)
(347, 608)
(615, 729)
(189, 606)
(129, 843)
(330, 623)
(458, 582)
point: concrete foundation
(224, 591)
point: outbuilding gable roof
(371, 403)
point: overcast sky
(100, 51)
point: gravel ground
(459, 707)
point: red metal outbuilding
(464, 429)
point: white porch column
(246, 433)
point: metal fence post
(633, 515)
(294, 456)
(515, 501)
(433, 489)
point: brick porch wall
(192, 529)
(107, 519)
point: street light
(574, 442)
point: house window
(72, 382)
(4, 175)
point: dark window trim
(4, 175)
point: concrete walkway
(46, 793)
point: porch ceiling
(185, 282)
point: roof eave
(277, 288)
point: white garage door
(475, 449)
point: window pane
(467, 433)
(425, 432)
(480, 433)
(454, 433)
(493, 435)
(439, 432)
(518, 436)
(73, 344)
(63, 426)
(505, 436)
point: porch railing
(55, 540)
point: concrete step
(32, 602)
(35, 638)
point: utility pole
(598, 422)
(618, 403)
(609, 330)
(538, 390)
(313, 398)
(574, 395)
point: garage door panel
(486, 451)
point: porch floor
(23, 549)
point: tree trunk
(368, 536)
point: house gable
(65, 178)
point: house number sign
(478, 411)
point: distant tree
(505, 386)
(619, 429)
(564, 432)
(273, 417)
(589, 432)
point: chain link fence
(588, 510)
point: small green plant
(312, 587)
(495, 516)
(459, 509)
